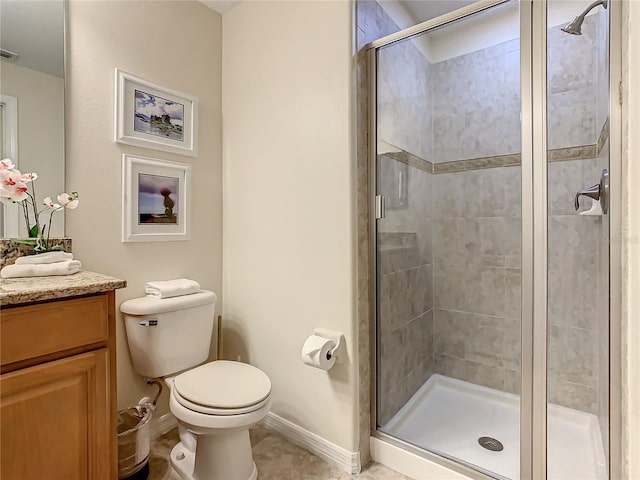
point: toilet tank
(169, 335)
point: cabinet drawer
(34, 330)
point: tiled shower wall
(476, 97)
(405, 291)
(477, 281)
(470, 223)
(572, 86)
(476, 256)
(476, 110)
(477, 224)
(468, 106)
(574, 288)
(404, 99)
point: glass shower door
(448, 240)
(578, 242)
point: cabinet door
(55, 420)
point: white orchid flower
(12, 185)
(20, 192)
(16, 193)
(49, 203)
(29, 177)
(9, 177)
(68, 201)
(6, 164)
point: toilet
(215, 403)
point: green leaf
(25, 242)
(33, 231)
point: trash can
(133, 441)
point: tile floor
(276, 458)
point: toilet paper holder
(337, 337)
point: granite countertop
(15, 291)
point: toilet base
(183, 462)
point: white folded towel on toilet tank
(172, 288)
(48, 257)
(67, 267)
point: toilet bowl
(215, 403)
(219, 418)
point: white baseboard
(345, 460)
(162, 424)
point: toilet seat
(208, 423)
(218, 411)
(222, 387)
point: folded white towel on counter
(48, 257)
(171, 288)
(41, 270)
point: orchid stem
(25, 212)
(50, 222)
(33, 204)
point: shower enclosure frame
(534, 167)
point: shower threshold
(449, 417)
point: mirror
(32, 104)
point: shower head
(575, 27)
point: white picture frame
(155, 200)
(151, 116)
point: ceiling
(421, 11)
(221, 6)
(35, 31)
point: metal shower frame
(534, 163)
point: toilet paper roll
(315, 352)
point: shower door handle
(599, 192)
(380, 207)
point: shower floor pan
(448, 417)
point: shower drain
(491, 444)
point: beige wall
(631, 232)
(288, 262)
(177, 45)
(40, 132)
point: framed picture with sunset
(155, 204)
(151, 116)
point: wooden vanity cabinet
(57, 390)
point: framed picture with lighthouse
(151, 116)
(155, 203)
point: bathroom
(278, 190)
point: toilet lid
(223, 384)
